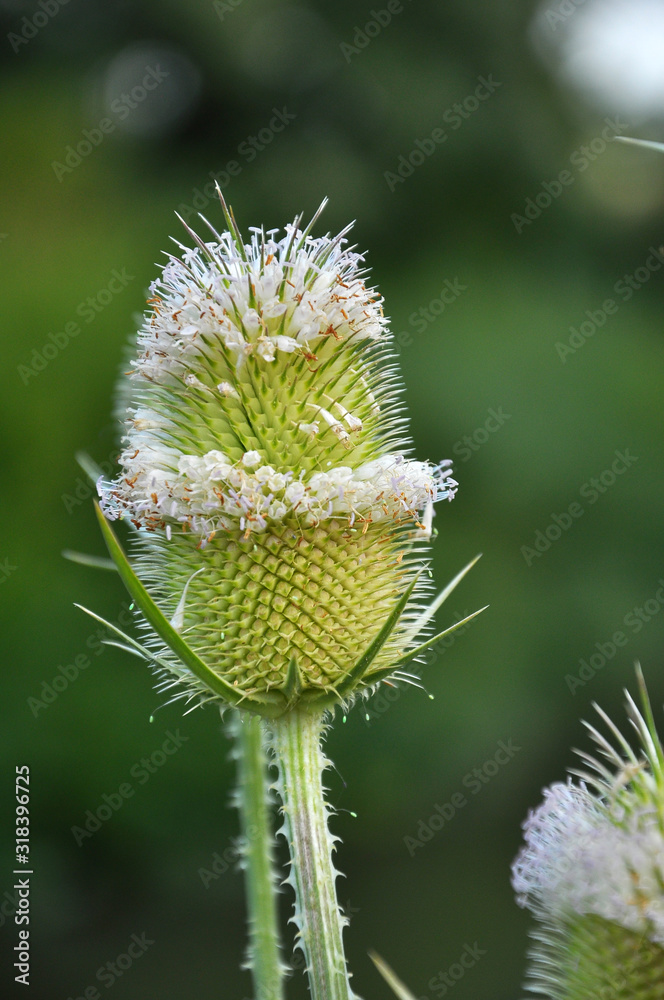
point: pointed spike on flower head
(265, 467)
(231, 223)
(592, 872)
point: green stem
(296, 739)
(253, 801)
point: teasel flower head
(592, 871)
(281, 522)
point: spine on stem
(253, 800)
(296, 744)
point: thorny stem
(296, 739)
(253, 802)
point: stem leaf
(269, 705)
(429, 612)
(356, 673)
(411, 654)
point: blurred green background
(537, 218)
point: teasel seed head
(281, 522)
(592, 872)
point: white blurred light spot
(610, 50)
(173, 85)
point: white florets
(210, 492)
(581, 858)
(272, 300)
